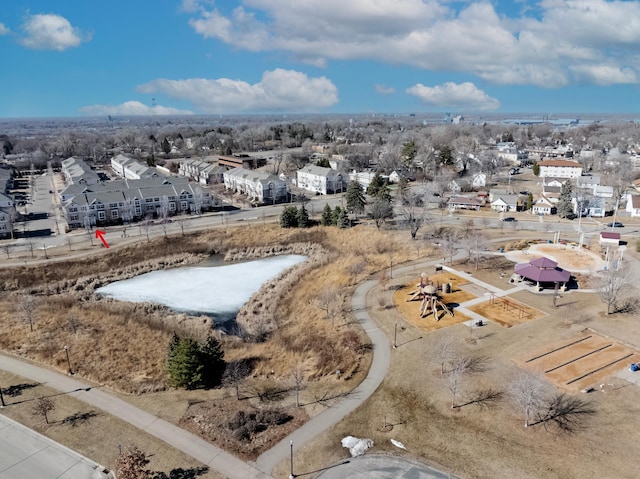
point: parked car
(509, 219)
(615, 224)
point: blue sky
(79, 57)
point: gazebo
(542, 270)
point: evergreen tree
(355, 197)
(212, 358)
(529, 201)
(289, 217)
(302, 217)
(403, 189)
(378, 188)
(336, 215)
(342, 221)
(565, 208)
(323, 162)
(327, 216)
(535, 168)
(445, 155)
(409, 152)
(184, 365)
(166, 146)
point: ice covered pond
(218, 290)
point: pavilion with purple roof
(542, 270)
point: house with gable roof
(318, 179)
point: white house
(6, 225)
(203, 172)
(321, 180)
(5, 201)
(633, 205)
(543, 206)
(465, 203)
(479, 180)
(362, 177)
(560, 168)
(505, 203)
(258, 186)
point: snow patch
(357, 447)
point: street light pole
(291, 474)
(66, 350)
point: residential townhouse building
(127, 204)
(318, 179)
(76, 171)
(201, 171)
(260, 187)
(131, 169)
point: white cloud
(454, 96)
(385, 90)
(4, 30)
(51, 32)
(554, 44)
(131, 108)
(278, 90)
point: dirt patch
(579, 362)
(507, 311)
(568, 256)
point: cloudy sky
(79, 57)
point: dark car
(615, 224)
(509, 219)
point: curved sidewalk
(331, 416)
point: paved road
(211, 456)
(372, 466)
(25, 454)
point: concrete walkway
(331, 416)
(190, 444)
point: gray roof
(319, 170)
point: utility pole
(2, 404)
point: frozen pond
(219, 290)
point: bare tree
(132, 463)
(298, 378)
(476, 244)
(43, 407)
(329, 300)
(26, 308)
(7, 249)
(235, 372)
(450, 244)
(164, 211)
(614, 283)
(413, 211)
(528, 392)
(444, 350)
(454, 378)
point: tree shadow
(78, 418)
(180, 473)
(16, 389)
(320, 470)
(484, 398)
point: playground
(506, 311)
(449, 294)
(579, 362)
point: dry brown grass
(93, 434)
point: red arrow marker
(100, 235)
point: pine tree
(565, 208)
(336, 214)
(355, 198)
(212, 358)
(529, 201)
(342, 221)
(327, 216)
(302, 217)
(184, 366)
(289, 217)
(535, 168)
(403, 189)
(377, 182)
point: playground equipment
(428, 293)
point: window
(114, 214)
(172, 206)
(73, 209)
(73, 218)
(102, 215)
(100, 206)
(113, 205)
(183, 205)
